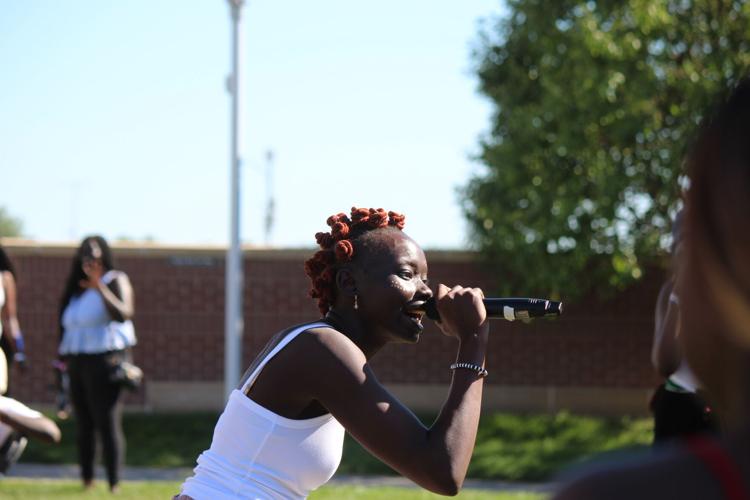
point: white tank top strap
(283, 343)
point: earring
(356, 306)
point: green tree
(595, 103)
(9, 225)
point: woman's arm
(666, 352)
(118, 297)
(437, 457)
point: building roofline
(22, 246)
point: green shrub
(535, 447)
(509, 446)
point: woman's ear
(345, 281)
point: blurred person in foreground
(714, 294)
(678, 405)
(11, 338)
(281, 434)
(17, 421)
(97, 334)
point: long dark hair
(73, 284)
(5, 263)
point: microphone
(507, 308)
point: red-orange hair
(337, 247)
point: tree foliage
(595, 103)
(9, 225)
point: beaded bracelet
(481, 372)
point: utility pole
(233, 321)
(270, 201)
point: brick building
(595, 358)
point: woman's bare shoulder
(668, 473)
(7, 278)
(325, 344)
(313, 349)
(119, 275)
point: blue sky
(115, 118)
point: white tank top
(257, 454)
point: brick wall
(180, 322)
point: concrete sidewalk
(71, 471)
(130, 473)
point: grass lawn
(509, 447)
(28, 489)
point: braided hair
(338, 246)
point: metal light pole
(270, 201)
(233, 322)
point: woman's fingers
(442, 291)
(461, 310)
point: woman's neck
(350, 324)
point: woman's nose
(424, 290)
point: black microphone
(507, 308)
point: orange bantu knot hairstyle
(337, 247)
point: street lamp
(233, 322)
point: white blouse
(88, 327)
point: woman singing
(281, 433)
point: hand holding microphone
(462, 310)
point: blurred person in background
(677, 405)
(714, 296)
(17, 421)
(97, 333)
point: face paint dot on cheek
(398, 285)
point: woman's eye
(407, 275)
